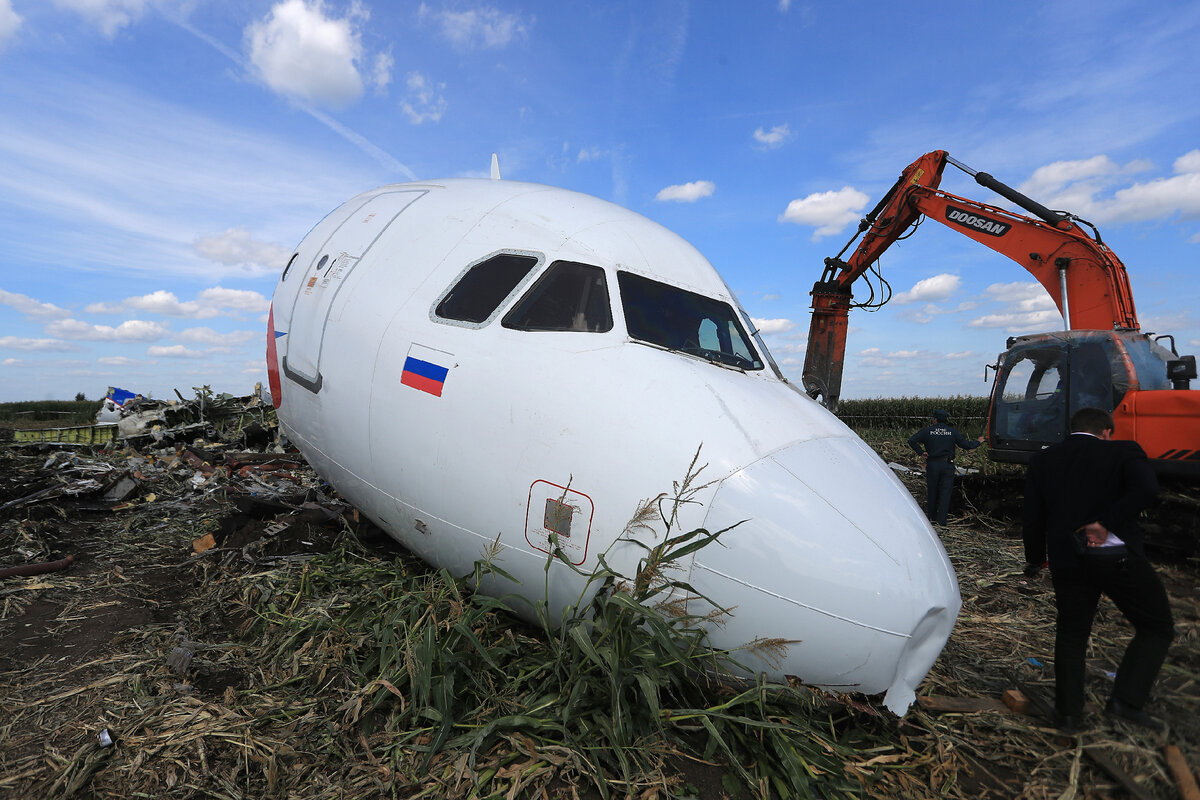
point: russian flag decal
(423, 369)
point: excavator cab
(1043, 379)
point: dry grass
(304, 658)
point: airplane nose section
(833, 553)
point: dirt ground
(141, 641)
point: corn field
(878, 414)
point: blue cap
(940, 415)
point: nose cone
(832, 552)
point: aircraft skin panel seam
(324, 244)
(331, 300)
(878, 546)
(410, 506)
(795, 602)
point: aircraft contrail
(354, 138)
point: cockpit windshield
(677, 319)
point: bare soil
(128, 642)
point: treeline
(65, 412)
(912, 413)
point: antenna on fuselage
(495, 167)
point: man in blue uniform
(936, 443)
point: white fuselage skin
(831, 550)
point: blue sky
(159, 159)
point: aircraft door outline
(327, 275)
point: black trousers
(939, 485)
(1135, 588)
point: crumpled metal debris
(196, 455)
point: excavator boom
(1099, 359)
(1085, 278)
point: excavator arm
(1084, 277)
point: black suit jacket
(1080, 480)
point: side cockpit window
(483, 287)
(568, 297)
(677, 319)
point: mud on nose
(833, 552)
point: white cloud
(929, 290)
(1027, 306)
(236, 299)
(1022, 295)
(1090, 188)
(873, 357)
(134, 330)
(109, 15)
(686, 192)
(37, 345)
(304, 54)
(158, 302)
(829, 212)
(1161, 198)
(483, 27)
(381, 73)
(772, 325)
(214, 302)
(167, 304)
(1188, 162)
(30, 307)
(590, 154)
(1051, 178)
(1019, 320)
(9, 22)
(215, 338)
(119, 361)
(236, 246)
(773, 138)
(424, 101)
(172, 351)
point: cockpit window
(675, 318)
(483, 288)
(568, 297)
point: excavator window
(1149, 362)
(1092, 384)
(1032, 400)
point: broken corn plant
(615, 692)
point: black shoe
(1126, 712)
(1070, 724)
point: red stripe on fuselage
(273, 361)
(421, 382)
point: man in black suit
(1082, 500)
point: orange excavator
(1100, 359)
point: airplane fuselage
(480, 361)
